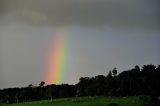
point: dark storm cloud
(123, 13)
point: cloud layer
(124, 13)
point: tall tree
(41, 84)
(114, 72)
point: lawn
(83, 101)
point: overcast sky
(103, 34)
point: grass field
(83, 101)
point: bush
(113, 104)
(144, 100)
(154, 101)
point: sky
(102, 34)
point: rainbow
(58, 58)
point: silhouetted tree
(30, 85)
(114, 71)
(135, 81)
(109, 74)
(42, 84)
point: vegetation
(84, 101)
(137, 81)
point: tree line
(133, 82)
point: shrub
(113, 104)
(144, 100)
(154, 101)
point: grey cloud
(124, 13)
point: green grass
(83, 101)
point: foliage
(144, 100)
(134, 82)
(82, 101)
(113, 104)
(114, 71)
(42, 84)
